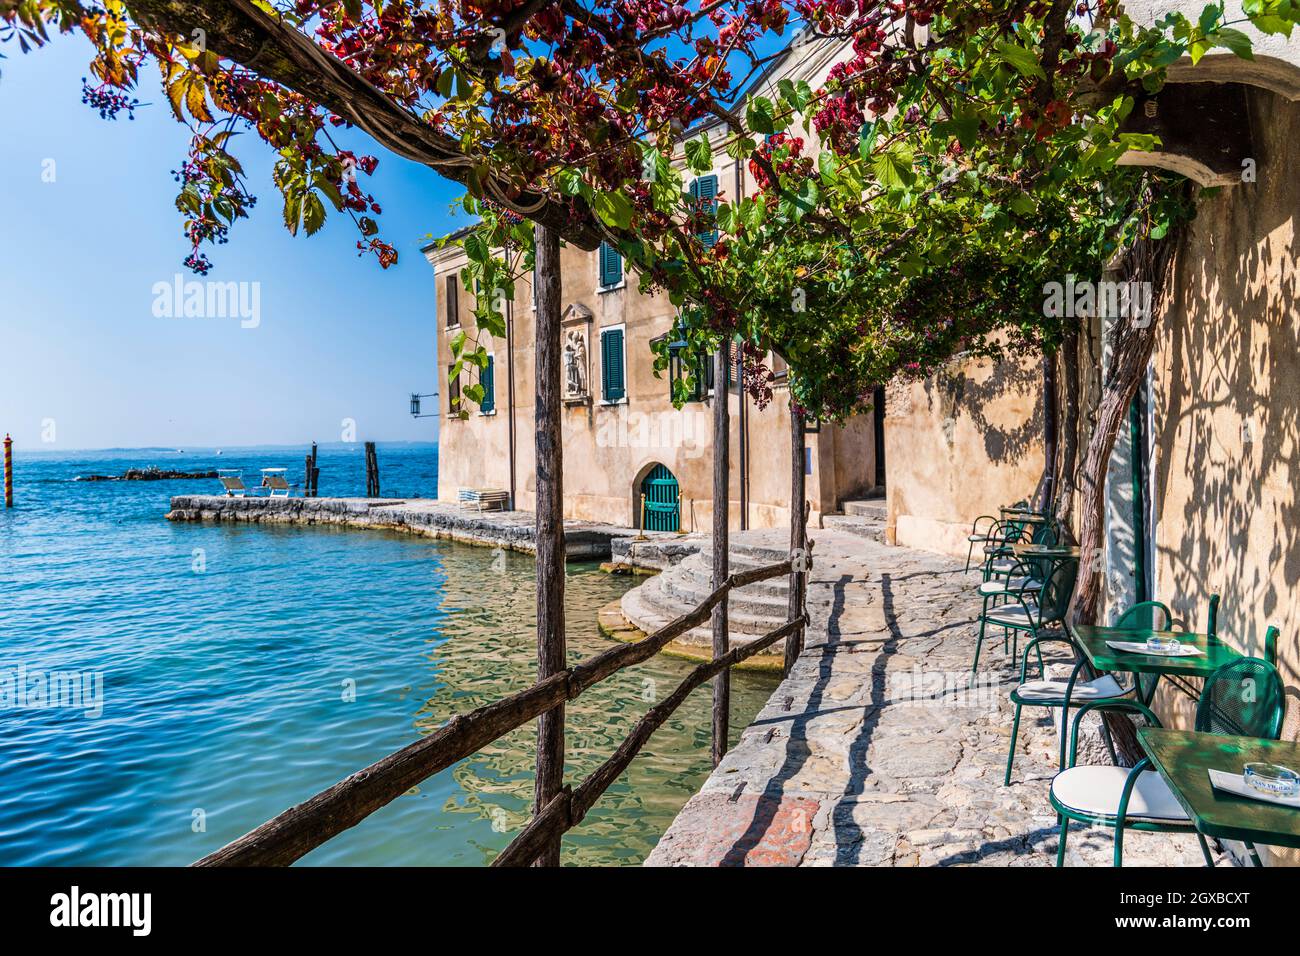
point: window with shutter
(487, 379)
(453, 391)
(613, 387)
(453, 301)
(705, 192)
(611, 266)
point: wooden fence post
(550, 523)
(721, 506)
(798, 519)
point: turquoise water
(244, 668)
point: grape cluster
(108, 101)
(198, 263)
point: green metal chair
(1139, 799)
(990, 534)
(1024, 611)
(1061, 694)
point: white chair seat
(1003, 567)
(1096, 791)
(1012, 614)
(989, 588)
(1045, 690)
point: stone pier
(514, 530)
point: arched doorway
(659, 501)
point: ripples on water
(228, 653)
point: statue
(575, 364)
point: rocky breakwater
(152, 473)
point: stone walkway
(875, 752)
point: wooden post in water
(550, 522)
(798, 542)
(372, 471)
(315, 474)
(9, 472)
(721, 506)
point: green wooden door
(662, 500)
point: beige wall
(1227, 410)
(608, 448)
(960, 444)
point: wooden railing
(300, 829)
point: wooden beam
(721, 543)
(798, 538)
(550, 521)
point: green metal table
(1092, 638)
(1183, 758)
(1024, 549)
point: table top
(1092, 638)
(1027, 550)
(1183, 758)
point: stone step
(699, 572)
(741, 619)
(866, 508)
(650, 617)
(649, 608)
(873, 529)
(741, 603)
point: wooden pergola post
(798, 542)
(550, 524)
(721, 506)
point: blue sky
(338, 336)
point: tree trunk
(721, 506)
(798, 536)
(1069, 444)
(1047, 487)
(550, 524)
(1146, 261)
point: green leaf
(614, 209)
(1018, 58)
(760, 115)
(867, 140)
(893, 167)
(1236, 41)
(313, 213)
(699, 157)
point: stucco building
(623, 439)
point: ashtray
(1272, 778)
(1163, 645)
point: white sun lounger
(232, 482)
(274, 482)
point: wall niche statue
(576, 323)
(575, 363)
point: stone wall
(1227, 410)
(960, 444)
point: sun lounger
(232, 483)
(274, 482)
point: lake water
(244, 668)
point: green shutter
(611, 265)
(705, 189)
(488, 380)
(611, 365)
